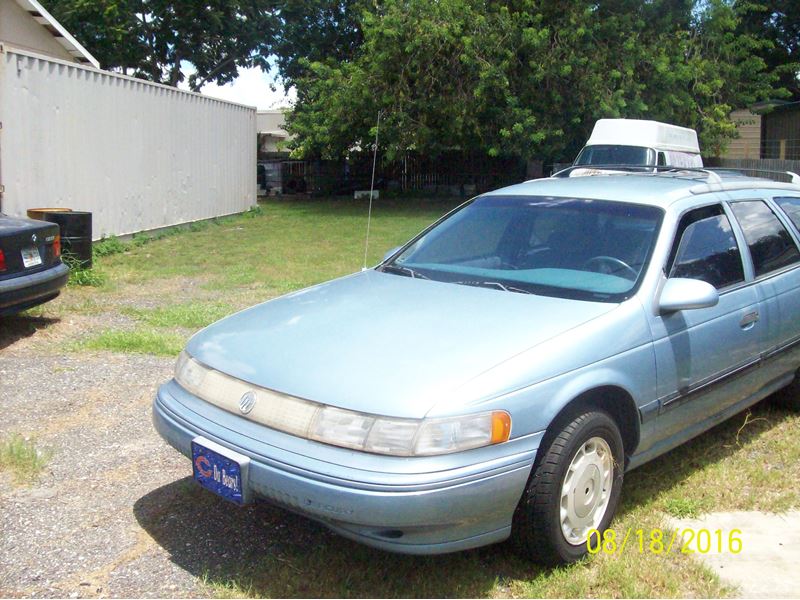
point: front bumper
(425, 505)
(24, 291)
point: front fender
(561, 370)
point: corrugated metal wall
(138, 155)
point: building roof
(57, 30)
(787, 106)
(767, 106)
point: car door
(701, 354)
(766, 225)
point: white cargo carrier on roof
(634, 142)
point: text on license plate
(218, 473)
(31, 257)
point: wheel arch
(614, 400)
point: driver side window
(706, 249)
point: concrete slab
(768, 564)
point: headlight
(340, 427)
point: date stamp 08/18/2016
(658, 541)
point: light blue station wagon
(496, 376)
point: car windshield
(571, 248)
(608, 154)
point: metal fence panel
(757, 167)
(138, 155)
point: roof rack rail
(710, 174)
(713, 174)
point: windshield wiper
(403, 271)
(494, 284)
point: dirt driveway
(114, 513)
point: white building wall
(17, 28)
(138, 155)
(271, 120)
(271, 129)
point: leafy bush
(108, 246)
(254, 211)
(81, 276)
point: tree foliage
(777, 23)
(523, 78)
(526, 78)
(316, 31)
(155, 39)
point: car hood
(383, 343)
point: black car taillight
(2, 261)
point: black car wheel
(574, 490)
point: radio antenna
(372, 188)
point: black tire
(536, 530)
(789, 397)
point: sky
(251, 87)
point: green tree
(526, 78)
(701, 73)
(153, 39)
(316, 31)
(778, 24)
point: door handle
(748, 320)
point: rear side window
(791, 206)
(771, 246)
(706, 249)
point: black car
(31, 270)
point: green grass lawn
(211, 270)
(164, 290)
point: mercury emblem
(247, 402)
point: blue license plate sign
(220, 470)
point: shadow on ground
(267, 552)
(17, 327)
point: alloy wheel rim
(586, 490)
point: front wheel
(574, 490)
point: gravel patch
(115, 512)
(93, 414)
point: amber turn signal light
(501, 426)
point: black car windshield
(571, 248)
(608, 154)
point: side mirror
(687, 294)
(388, 255)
